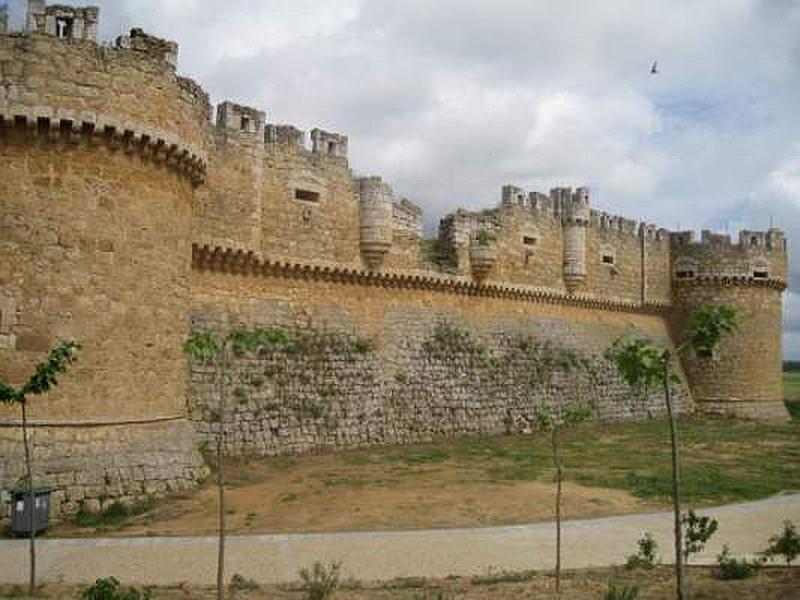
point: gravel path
(385, 554)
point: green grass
(115, 515)
(791, 385)
(723, 460)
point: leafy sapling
(645, 364)
(698, 530)
(44, 378)
(785, 544)
(547, 421)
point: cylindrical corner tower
(743, 377)
(376, 220)
(575, 214)
(98, 161)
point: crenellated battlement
(328, 144)
(757, 241)
(285, 135)
(755, 255)
(242, 119)
(407, 217)
(65, 22)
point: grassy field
(791, 392)
(657, 584)
(609, 468)
(791, 385)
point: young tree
(207, 348)
(215, 352)
(643, 363)
(43, 379)
(785, 544)
(554, 424)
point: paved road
(385, 554)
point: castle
(128, 217)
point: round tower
(575, 218)
(99, 158)
(743, 376)
(376, 220)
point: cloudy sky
(450, 99)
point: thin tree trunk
(31, 502)
(221, 555)
(557, 463)
(221, 489)
(676, 485)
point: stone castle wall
(382, 364)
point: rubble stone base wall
(360, 366)
(92, 467)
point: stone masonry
(130, 213)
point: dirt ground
(328, 493)
(657, 584)
(610, 469)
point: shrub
(732, 568)
(625, 593)
(785, 544)
(698, 530)
(645, 557)
(115, 514)
(240, 582)
(321, 581)
(108, 588)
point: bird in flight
(654, 68)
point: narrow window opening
(529, 241)
(64, 27)
(332, 148)
(608, 259)
(245, 123)
(754, 241)
(306, 195)
(760, 274)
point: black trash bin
(21, 507)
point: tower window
(64, 27)
(245, 124)
(332, 148)
(760, 274)
(608, 259)
(306, 195)
(529, 240)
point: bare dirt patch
(325, 493)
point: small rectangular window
(245, 124)
(608, 259)
(306, 195)
(529, 241)
(760, 274)
(684, 274)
